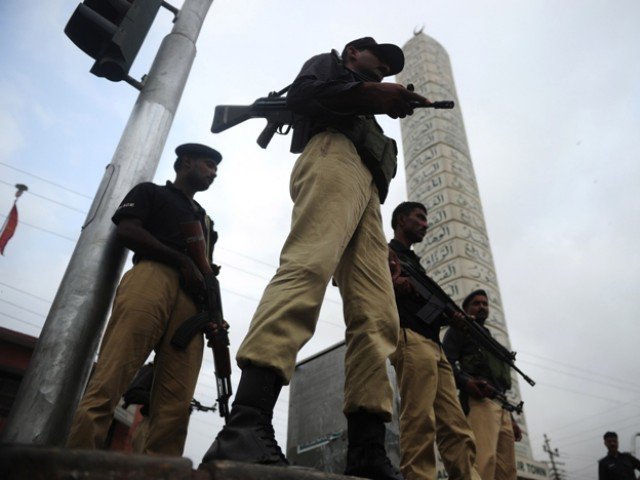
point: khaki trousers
(148, 308)
(429, 411)
(336, 229)
(491, 424)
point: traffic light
(112, 32)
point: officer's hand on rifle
(211, 329)
(393, 99)
(517, 433)
(403, 286)
(477, 388)
(394, 265)
(192, 277)
(457, 320)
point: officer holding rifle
(337, 185)
(429, 409)
(481, 378)
(155, 297)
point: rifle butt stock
(227, 116)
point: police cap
(469, 297)
(196, 150)
(387, 52)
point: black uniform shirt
(410, 304)
(620, 467)
(321, 77)
(161, 209)
(459, 348)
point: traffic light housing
(112, 32)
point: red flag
(9, 228)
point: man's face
(201, 172)
(366, 63)
(612, 444)
(479, 308)
(414, 225)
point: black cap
(387, 52)
(469, 297)
(196, 150)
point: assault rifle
(139, 393)
(196, 405)
(438, 302)
(497, 395)
(212, 313)
(279, 118)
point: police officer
(429, 406)
(616, 465)
(336, 185)
(153, 299)
(478, 374)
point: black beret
(198, 150)
(387, 52)
(469, 297)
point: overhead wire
(44, 230)
(25, 292)
(582, 419)
(574, 375)
(590, 372)
(591, 429)
(22, 308)
(46, 181)
(20, 320)
(57, 202)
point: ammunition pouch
(377, 151)
(483, 364)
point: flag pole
(11, 222)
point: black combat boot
(366, 455)
(248, 435)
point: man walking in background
(616, 465)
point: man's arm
(323, 88)
(134, 236)
(452, 346)
(517, 433)
(401, 285)
(374, 98)
(635, 462)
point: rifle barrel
(477, 333)
(440, 104)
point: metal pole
(59, 369)
(552, 454)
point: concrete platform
(20, 462)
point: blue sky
(550, 94)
